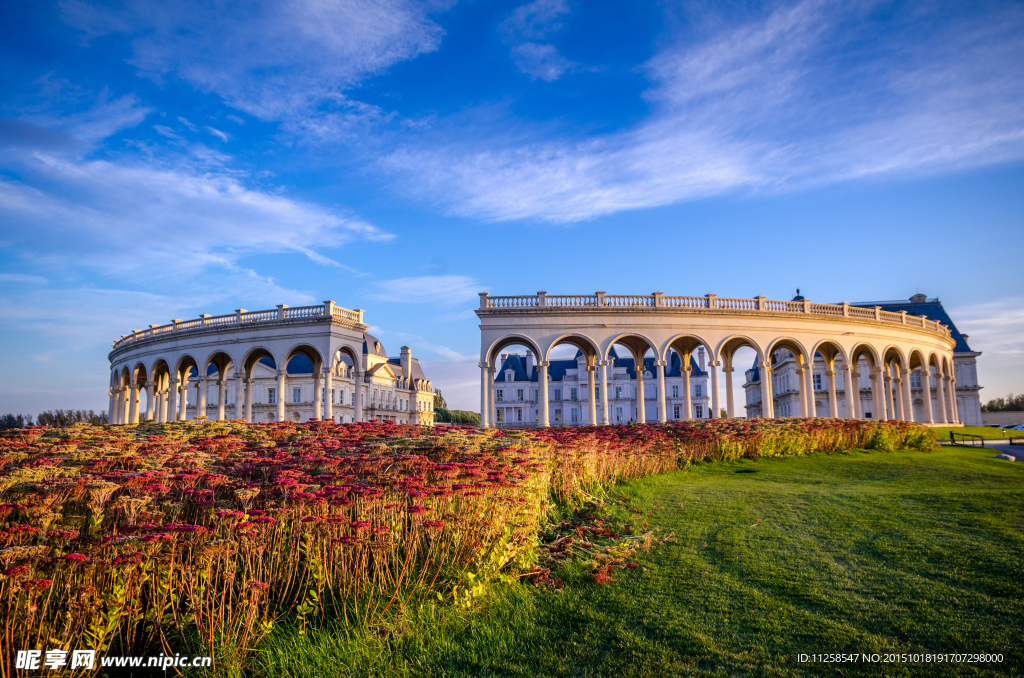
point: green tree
(1010, 403)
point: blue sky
(160, 160)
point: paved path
(1000, 447)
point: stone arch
(865, 350)
(829, 350)
(727, 348)
(509, 340)
(636, 342)
(793, 346)
(184, 364)
(684, 345)
(253, 356)
(220, 359)
(916, 359)
(306, 349)
(140, 369)
(581, 341)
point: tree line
(1010, 403)
(442, 415)
(54, 418)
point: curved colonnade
(164, 362)
(892, 344)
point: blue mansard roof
(557, 369)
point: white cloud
(440, 289)
(20, 278)
(274, 60)
(217, 133)
(814, 93)
(527, 27)
(123, 217)
(186, 123)
(996, 329)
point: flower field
(199, 537)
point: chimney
(407, 362)
(700, 358)
(529, 364)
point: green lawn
(864, 552)
(987, 432)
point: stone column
(641, 403)
(542, 391)
(112, 406)
(688, 391)
(833, 403)
(926, 399)
(801, 391)
(204, 387)
(877, 394)
(133, 402)
(318, 396)
(591, 396)
(329, 390)
(848, 410)
(281, 386)
(249, 383)
(897, 396)
(150, 400)
(812, 409)
(716, 403)
(170, 404)
(940, 394)
(239, 396)
(890, 405)
(767, 392)
(221, 388)
(357, 379)
(183, 398)
(662, 410)
(490, 394)
(485, 419)
(730, 406)
(908, 398)
(605, 412)
(954, 406)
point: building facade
(517, 391)
(894, 344)
(311, 362)
(786, 373)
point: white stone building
(309, 362)
(386, 392)
(516, 390)
(786, 385)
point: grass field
(860, 552)
(986, 432)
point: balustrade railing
(325, 311)
(708, 302)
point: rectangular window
(519, 414)
(499, 395)
(572, 394)
(271, 396)
(558, 394)
(575, 415)
(519, 394)
(696, 390)
(618, 392)
(558, 415)
(296, 395)
(915, 379)
(353, 397)
(675, 393)
(536, 395)
(698, 411)
(675, 411)
(597, 393)
(501, 414)
(817, 382)
(618, 414)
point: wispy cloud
(438, 289)
(813, 93)
(273, 60)
(996, 328)
(217, 133)
(527, 29)
(21, 278)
